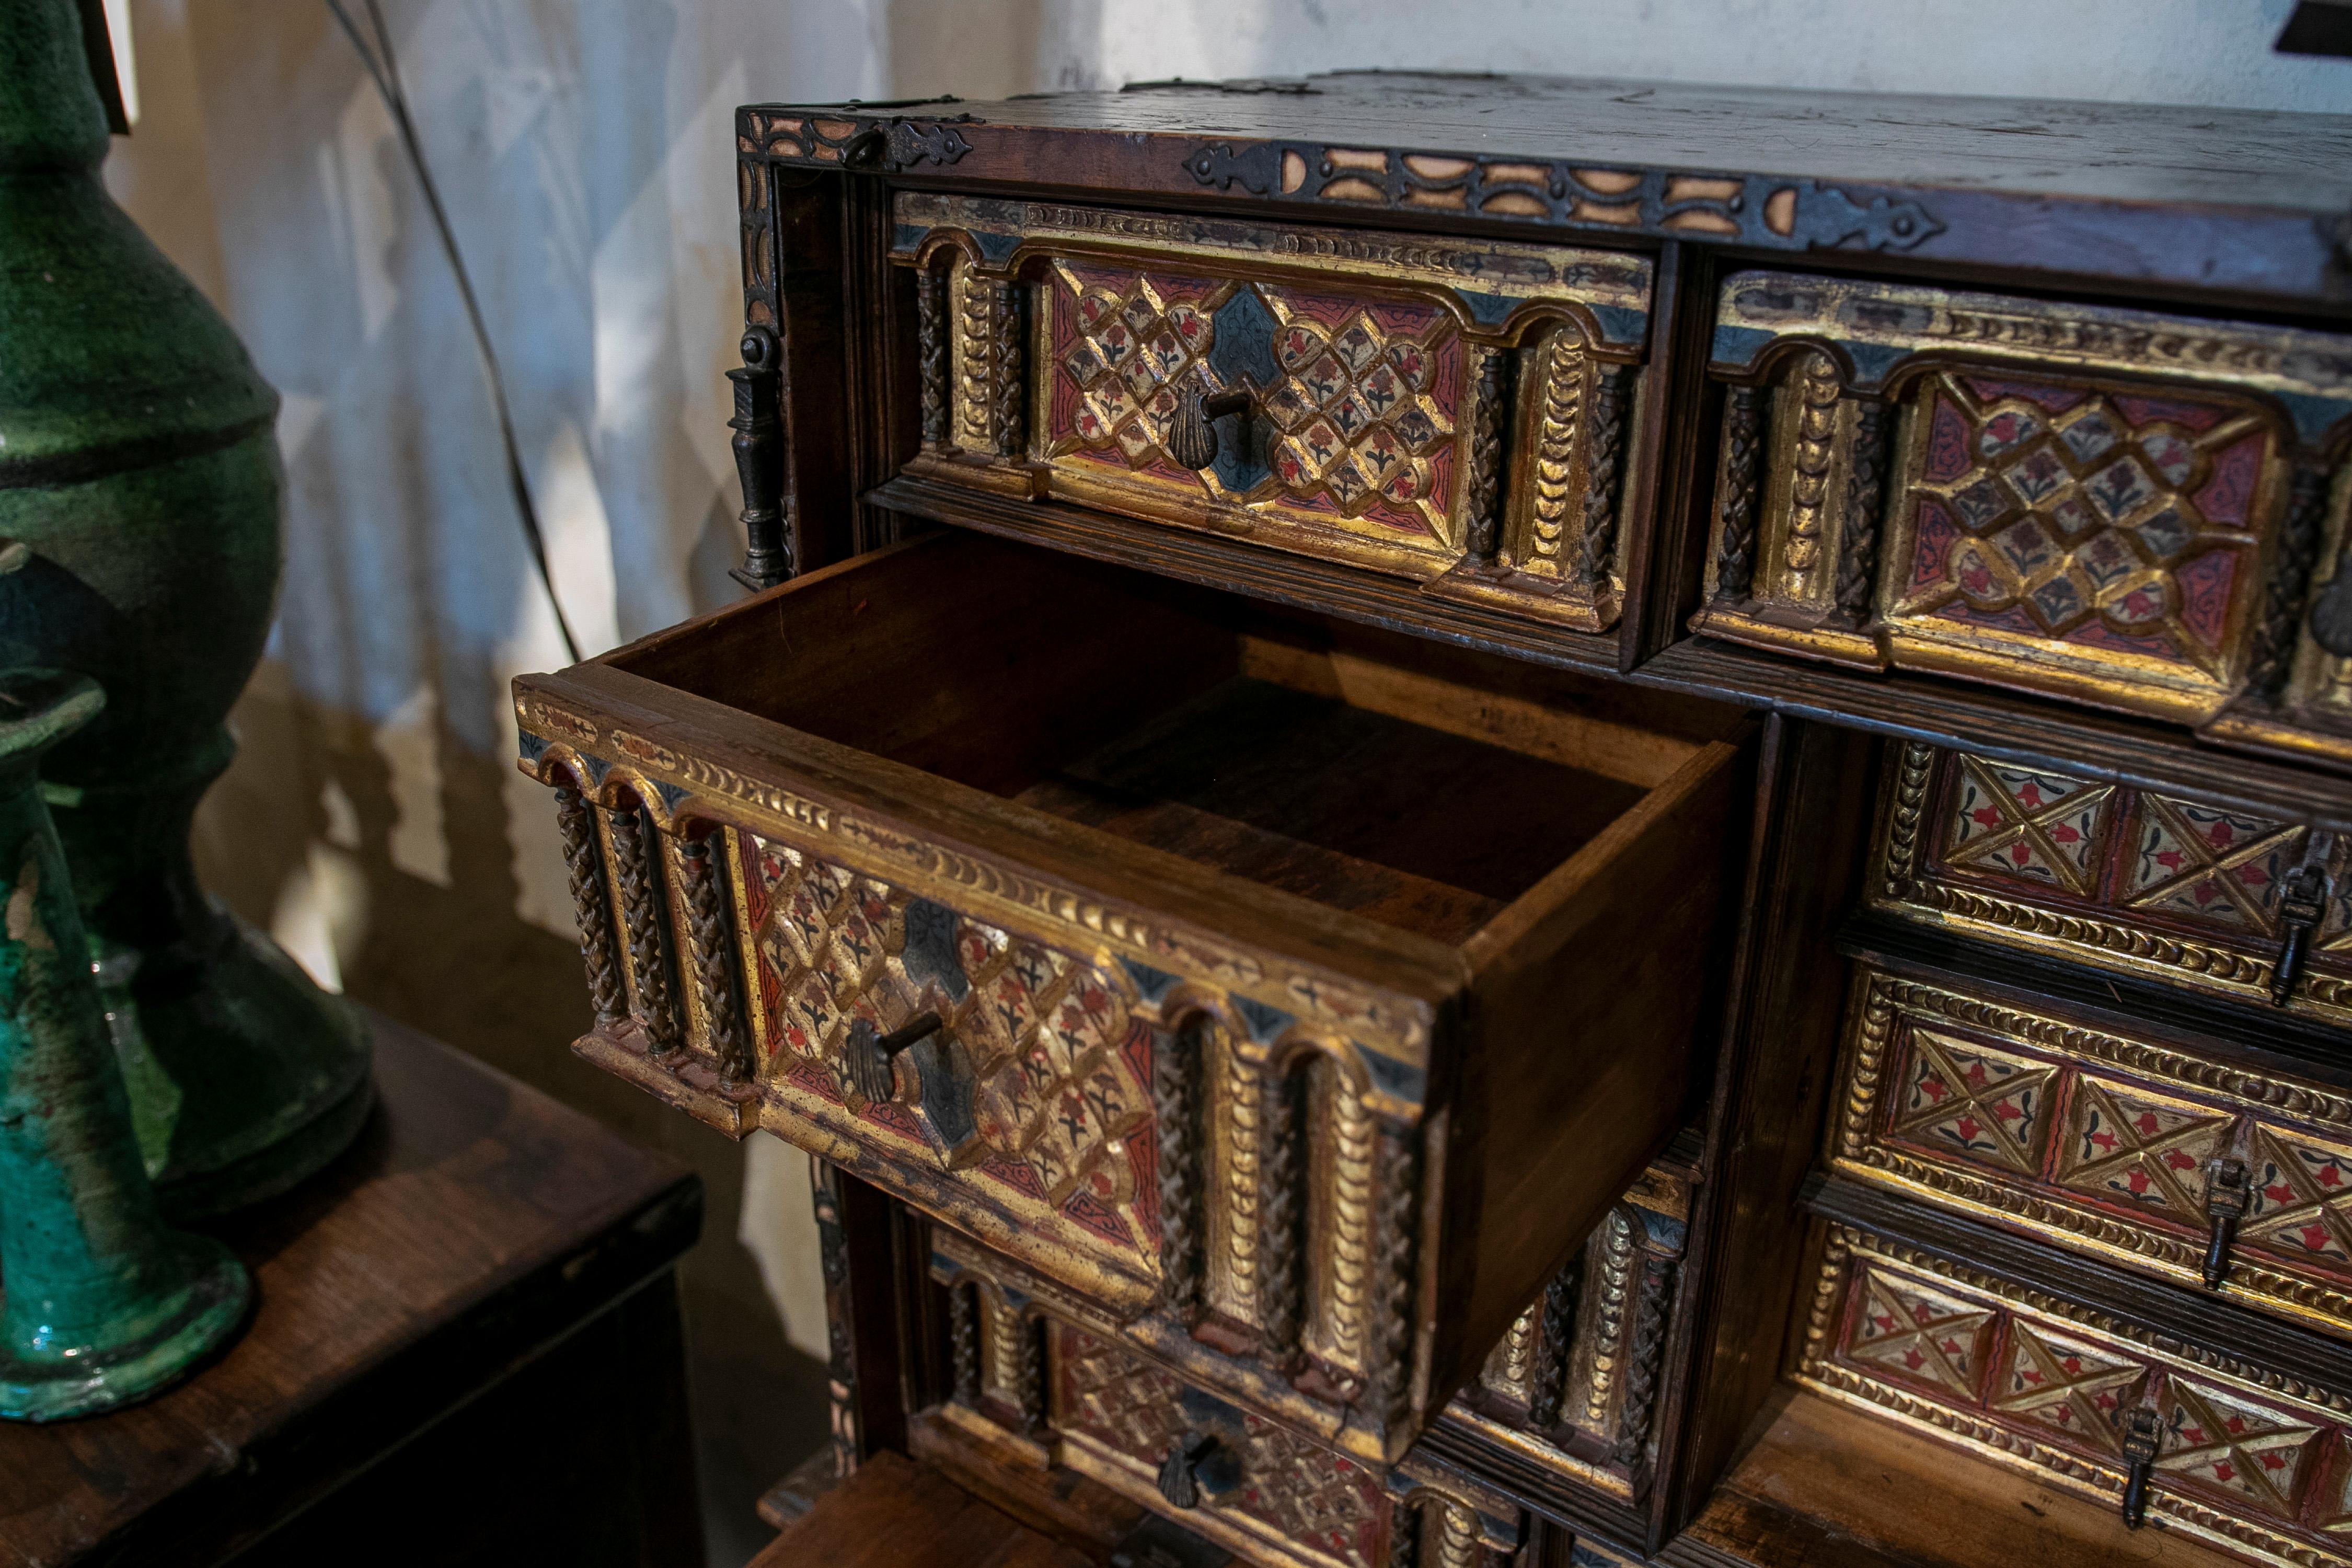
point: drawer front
(2120, 507)
(2147, 1154)
(1248, 1483)
(2063, 1393)
(1455, 412)
(2215, 899)
(1576, 1382)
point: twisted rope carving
(963, 1343)
(1649, 1348)
(1175, 1064)
(1555, 446)
(585, 865)
(1011, 378)
(710, 933)
(1282, 1208)
(1603, 477)
(1865, 502)
(932, 350)
(1030, 1389)
(1485, 490)
(1548, 1381)
(1393, 1260)
(2290, 582)
(1743, 451)
(656, 1009)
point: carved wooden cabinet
(1501, 821)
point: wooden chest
(1484, 821)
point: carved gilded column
(2276, 633)
(1176, 1067)
(963, 1342)
(1616, 1284)
(1865, 505)
(1396, 1235)
(711, 935)
(1009, 371)
(841, 1360)
(1489, 417)
(931, 351)
(1603, 480)
(584, 860)
(637, 873)
(1548, 1382)
(1282, 1210)
(1743, 462)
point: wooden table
(468, 1349)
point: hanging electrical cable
(383, 69)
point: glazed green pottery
(138, 467)
(101, 1302)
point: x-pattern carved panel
(2075, 1388)
(2124, 1143)
(1310, 1495)
(1042, 1085)
(2028, 823)
(1124, 1403)
(1922, 1336)
(2236, 1446)
(2214, 865)
(1966, 1098)
(2084, 513)
(2302, 1198)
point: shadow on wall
(338, 836)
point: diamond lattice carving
(1359, 398)
(1125, 1404)
(1057, 1109)
(1321, 1499)
(2090, 515)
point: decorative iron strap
(584, 860)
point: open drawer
(1266, 980)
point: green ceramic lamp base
(188, 1325)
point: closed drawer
(2227, 901)
(1576, 1384)
(1252, 1485)
(2142, 1150)
(1248, 973)
(2253, 1460)
(1455, 411)
(2132, 510)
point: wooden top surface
(2129, 152)
(2225, 204)
(474, 1221)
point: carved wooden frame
(1553, 339)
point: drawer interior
(1415, 784)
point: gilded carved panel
(1458, 413)
(2111, 505)
(2042, 1385)
(2166, 1161)
(2190, 893)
